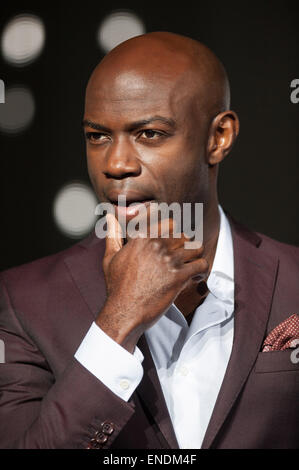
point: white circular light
(118, 27)
(74, 210)
(23, 39)
(17, 112)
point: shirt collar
(221, 278)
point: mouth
(129, 205)
(131, 208)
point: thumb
(114, 238)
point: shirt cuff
(112, 364)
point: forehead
(131, 95)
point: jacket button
(94, 444)
(101, 438)
(107, 428)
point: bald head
(188, 63)
(157, 120)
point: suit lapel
(151, 394)
(255, 275)
(86, 271)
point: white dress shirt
(190, 361)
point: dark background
(258, 44)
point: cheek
(95, 172)
(195, 169)
(91, 167)
(183, 172)
(94, 162)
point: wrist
(116, 325)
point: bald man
(141, 342)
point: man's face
(146, 138)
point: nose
(121, 160)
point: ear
(222, 135)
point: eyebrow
(133, 125)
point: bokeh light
(117, 27)
(18, 111)
(2, 92)
(74, 209)
(23, 39)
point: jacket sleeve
(39, 411)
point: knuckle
(205, 264)
(170, 259)
(176, 262)
(173, 269)
(167, 258)
(156, 244)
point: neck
(191, 297)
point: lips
(127, 198)
(128, 203)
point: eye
(151, 134)
(96, 137)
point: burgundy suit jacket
(49, 400)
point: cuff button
(94, 444)
(101, 438)
(107, 428)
